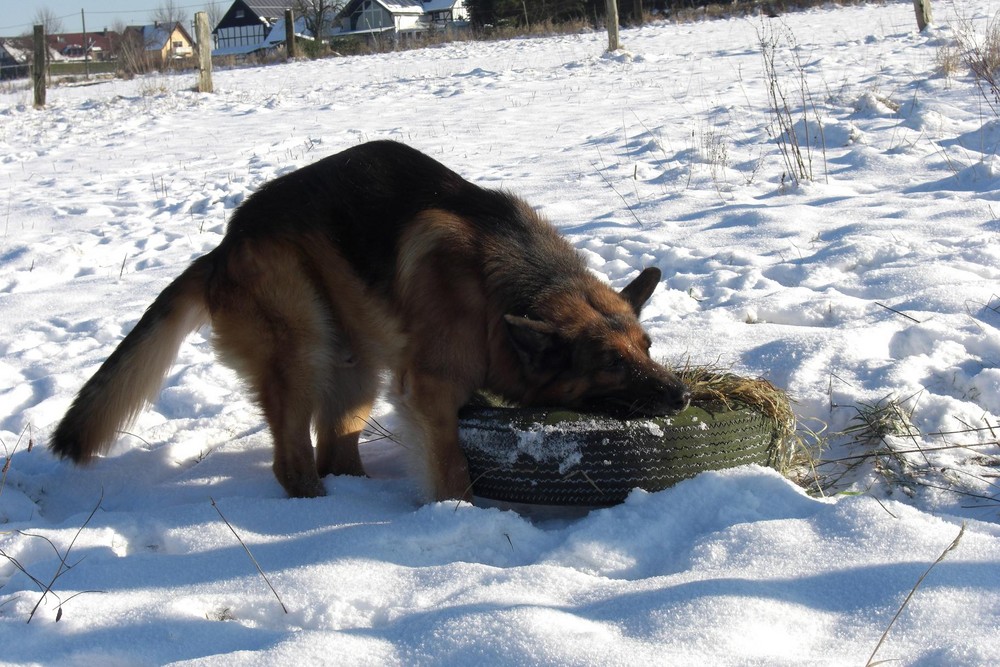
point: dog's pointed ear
(536, 343)
(637, 292)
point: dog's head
(585, 349)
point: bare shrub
(791, 105)
(980, 51)
(948, 60)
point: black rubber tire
(559, 457)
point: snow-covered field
(875, 284)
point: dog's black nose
(685, 400)
(670, 396)
(676, 398)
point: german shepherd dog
(380, 258)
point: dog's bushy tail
(131, 377)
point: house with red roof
(75, 45)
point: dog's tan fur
(451, 287)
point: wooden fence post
(923, 10)
(612, 21)
(204, 37)
(290, 49)
(39, 66)
(630, 13)
(637, 18)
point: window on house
(239, 13)
(370, 15)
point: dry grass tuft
(876, 421)
(948, 60)
(794, 451)
(980, 50)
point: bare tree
(46, 17)
(318, 15)
(170, 12)
(130, 50)
(215, 11)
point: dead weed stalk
(63, 567)
(790, 107)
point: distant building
(258, 25)
(93, 45)
(398, 19)
(15, 58)
(251, 25)
(16, 54)
(158, 44)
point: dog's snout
(685, 399)
(665, 394)
(677, 396)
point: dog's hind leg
(341, 417)
(288, 407)
(272, 327)
(275, 361)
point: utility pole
(86, 48)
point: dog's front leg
(432, 404)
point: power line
(200, 5)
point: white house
(250, 26)
(398, 19)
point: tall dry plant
(793, 111)
(981, 54)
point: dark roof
(101, 39)
(269, 8)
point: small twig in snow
(620, 195)
(951, 547)
(61, 570)
(900, 313)
(252, 559)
